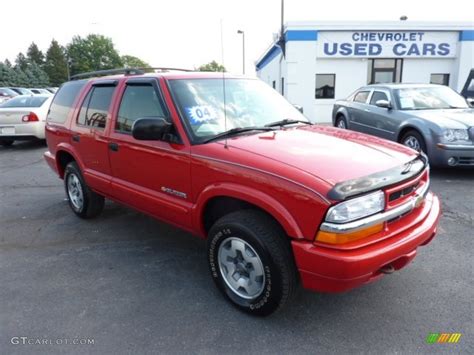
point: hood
(453, 118)
(328, 153)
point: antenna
(223, 83)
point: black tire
(411, 136)
(6, 143)
(341, 120)
(272, 246)
(92, 203)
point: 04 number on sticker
(200, 114)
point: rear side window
(378, 95)
(361, 96)
(138, 101)
(63, 101)
(25, 101)
(95, 107)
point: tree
(212, 66)
(21, 78)
(7, 63)
(95, 52)
(55, 65)
(129, 61)
(8, 76)
(21, 61)
(34, 55)
(36, 76)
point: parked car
(278, 199)
(6, 94)
(468, 89)
(37, 91)
(21, 91)
(23, 118)
(431, 118)
(52, 90)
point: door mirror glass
(383, 104)
(151, 128)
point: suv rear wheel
(251, 261)
(83, 201)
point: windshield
(429, 98)
(248, 103)
(25, 101)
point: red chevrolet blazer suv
(280, 201)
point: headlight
(356, 208)
(453, 135)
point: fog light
(452, 161)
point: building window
(274, 84)
(325, 86)
(283, 86)
(441, 79)
(385, 71)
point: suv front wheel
(251, 261)
(83, 201)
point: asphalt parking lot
(135, 285)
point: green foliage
(21, 61)
(34, 55)
(56, 64)
(212, 66)
(129, 61)
(95, 52)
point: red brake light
(31, 117)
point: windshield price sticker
(201, 114)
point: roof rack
(125, 71)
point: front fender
(250, 195)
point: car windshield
(7, 92)
(25, 101)
(429, 98)
(248, 103)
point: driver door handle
(113, 146)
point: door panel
(153, 176)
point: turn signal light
(31, 117)
(339, 238)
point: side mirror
(383, 104)
(151, 128)
(470, 101)
(299, 108)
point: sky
(186, 34)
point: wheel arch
(64, 155)
(219, 200)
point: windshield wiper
(235, 131)
(285, 122)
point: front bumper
(463, 155)
(24, 131)
(334, 270)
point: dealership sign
(387, 44)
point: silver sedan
(23, 118)
(431, 118)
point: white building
(326, 61)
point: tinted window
(325, 86)
(63, 101)
(138, 101)
(95, 107)
(25, 101)
(378, 95)
(441, 79)
(361, 96)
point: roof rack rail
(126, 71)
(165, 69)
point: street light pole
(243, 50)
